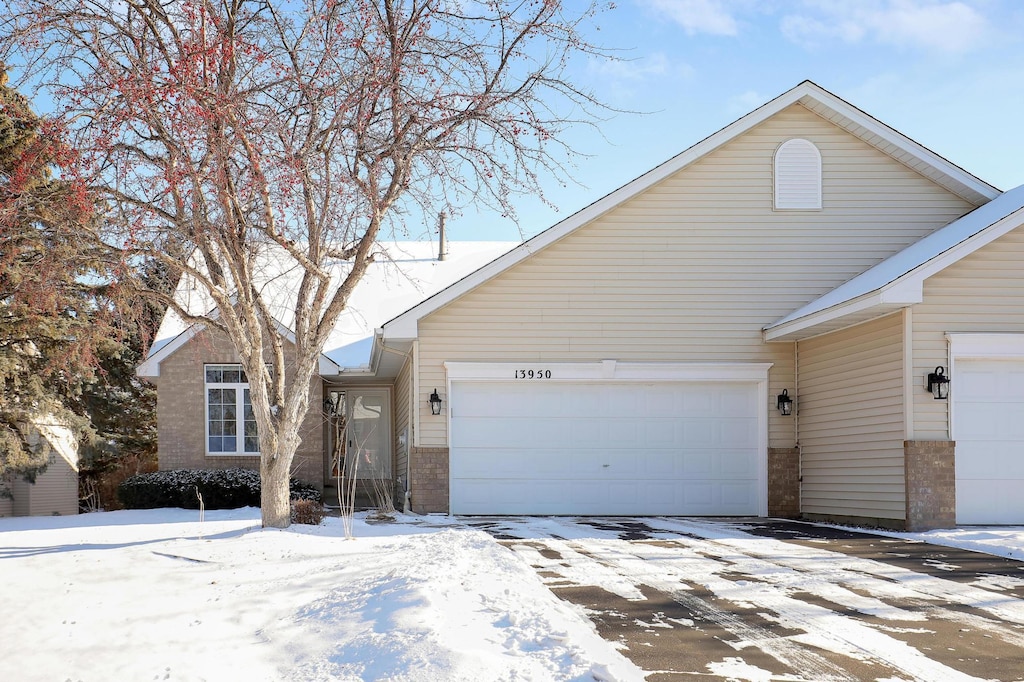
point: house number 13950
(533, 374)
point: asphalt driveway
(691, 599)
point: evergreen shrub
(220, 489)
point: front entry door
(367, 446)
(369, 437)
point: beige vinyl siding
(6, 503)
(692, 269)
(403, 424)
(981, 293)
(54, 493)
(851, 421)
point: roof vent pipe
(442, 249)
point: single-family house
(805, 314)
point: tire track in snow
(824, 628)
(775, 572)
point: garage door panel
(737, 433)
(988, 414)
(736, 464)
(605, 448)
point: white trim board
(609, 370)
(985, 345)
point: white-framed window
(230, 422)
(797, 176)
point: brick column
(930, 483)
(784, 482)
(428, 479)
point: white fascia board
(608, 370)
(808, 322)
(965, 248)
(150, 367)
(328, 367)
(894, 137)
(890, 297)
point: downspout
(796, 429)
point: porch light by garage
(435, 403)
(938, 383)
(785, 403)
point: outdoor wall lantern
(938, 384)
(785, 403)
(435, 403)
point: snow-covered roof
(898, 281)
(807, 94)
(403, 274)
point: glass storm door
(366, 430)
(368, 436)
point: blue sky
(949, 74)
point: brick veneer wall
(428, 478)
(181, 414)
(784, 482)
(931, 483)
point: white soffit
(807, 94)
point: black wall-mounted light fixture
(785, 403)
(938, 383)
(435, 403)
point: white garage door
(604, 449)
(988, 426)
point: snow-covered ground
(155, 595)
(1004, 541)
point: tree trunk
(275, 502)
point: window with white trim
(230, 422)
(797, 175)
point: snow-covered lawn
(154, 595)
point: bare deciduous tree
(225, 134)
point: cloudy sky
(949, 74)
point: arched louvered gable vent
(797, 175)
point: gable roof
(403, 274)
(898, 281)
(807, 94)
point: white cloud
(657, 65)
(698, 16)
(937, 25)
(623, 80)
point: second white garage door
(988, 426)
(605, 448)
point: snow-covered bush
(219, 488)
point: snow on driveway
(721, 600)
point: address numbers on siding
(533, 374)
